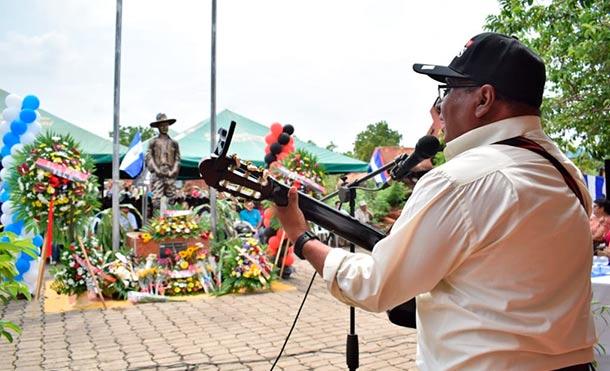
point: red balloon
(268, 213)
(266, 222)
(276, 129)
(270, 138)
(273, 243)
(271, 251)
(288, 260)
(282, 156)
(279, 233)
(267, 148)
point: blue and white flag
(596, 185)
(133, 162)
(376, 163)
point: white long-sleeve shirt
(496, 248)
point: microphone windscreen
(428, 146)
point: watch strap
(300, 243)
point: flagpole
(116, 127)
(212, 191)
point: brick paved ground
(242, 332)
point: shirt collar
(491, 133)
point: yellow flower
(50, 190)
(184, 265)
(176, 289)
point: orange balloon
(266, 222)
(274, 243)
(288, 260)
(268, 213)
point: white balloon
(16, 148)
(13, 101)
(7, 207)
(3, 173)
(4, 128)
(27, 234)
(30, 277)
(34, 127)
(10, 113)
(7, 161)
(6, 219)
(27, 138)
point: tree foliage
(375, 135)
(126, 133)
(573, 38)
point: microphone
(426, 147)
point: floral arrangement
(126, 277)
(245, 266)
(71, 276)
(151, 276)
(184, 286)
(168, 227)
(305, 164)
(75, 202)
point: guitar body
(228, 174)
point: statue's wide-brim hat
(162, 119)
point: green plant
(10, 247)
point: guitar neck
(337, 222)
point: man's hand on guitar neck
(294, 225)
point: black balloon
(288, 129)
(276, 148)
(283, 139)
(269, 158)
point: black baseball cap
(499, 60)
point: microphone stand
(347, 193)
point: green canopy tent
(249, 144)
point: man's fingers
(293, 197)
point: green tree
(573, 38)
(375, 135)
(126, 133)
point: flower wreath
(75, 202)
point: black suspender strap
(529, 144)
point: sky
(329, 68)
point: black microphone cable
(296, 317)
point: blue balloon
(10, 139)
(4, 196)
(16, 227)
(22, 265)
(26, 257)
(6, 186)
(5, 239)
(27, 115)
(37, 240)
(30, 102)
(19, 277)
(18, 127)
(5, 151)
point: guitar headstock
(241, 179)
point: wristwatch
(300, 242)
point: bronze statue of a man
(163, 161)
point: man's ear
(486, 98)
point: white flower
(80, 270)
(70, 282)
(71, 264)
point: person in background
(600, 219)
(251, 215)
(363, 214)
(600, 226)
(127, 220)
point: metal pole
(213, 113)
(115, 129)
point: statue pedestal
(159, 248)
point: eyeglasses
(443, 90)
